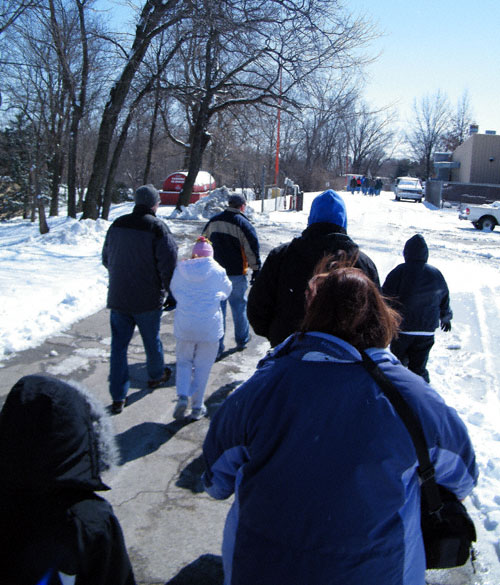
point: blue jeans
(122, 329)
(238, 303)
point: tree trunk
(42, 220)
(115, 159)
(55, 169)
(78, 108)
(149, 154)
(198, 143)
(151, 15)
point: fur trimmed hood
(53, 435)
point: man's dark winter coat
(417, 290)
(55, 440)
(140, 254)
(235, 242)
(276, 300)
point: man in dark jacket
(420, 293)
(140, 254)
(56, 440)
(236, 248)
(276, 300)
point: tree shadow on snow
(205, 570)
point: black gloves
(170, 303)
(446, 326)
(255, 273)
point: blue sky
(427, 46)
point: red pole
(277, 160)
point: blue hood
(328, 207)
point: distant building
(479, 160)
(471, 173)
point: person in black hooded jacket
(55, 440)
(420, 293)
(276, 302)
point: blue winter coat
(324, 471)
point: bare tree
(156, 16)
(75, 78)
(430, 121)
(11, 10)
(460, 122)
(369, 135)
(238, 50)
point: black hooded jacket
(276, 302)
(417, 290)
(55, 440)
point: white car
(408, 188)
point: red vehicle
(173, 184)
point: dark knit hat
(328, 207)
(237, 200)
(147, 195)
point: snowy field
(48, 282)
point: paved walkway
(173, 530)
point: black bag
(448, 535)
(447, 529)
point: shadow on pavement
(190, 476)
(146, 438)
(205, 570)
(216, 399)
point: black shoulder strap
(425, 470)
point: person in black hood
(276, 302)
(55, 441)
(420, 293)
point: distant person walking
(198, 285)
(56, 441)
(140, 254)
(236, 248)
(277, 298)
(420, 293)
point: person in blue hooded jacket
(323, 470)
(276, 299)
(419, 292)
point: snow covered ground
(48, 282)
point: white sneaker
(180, 407)
(198, 413)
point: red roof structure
(173, 184)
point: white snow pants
(194, 362)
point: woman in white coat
(198, 285)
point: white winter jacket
(199, 285)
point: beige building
(479, 160)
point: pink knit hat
(203, 247)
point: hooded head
(328, 207)
(416, 249)
(202, 248)
(53, 435)
(147, 195)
